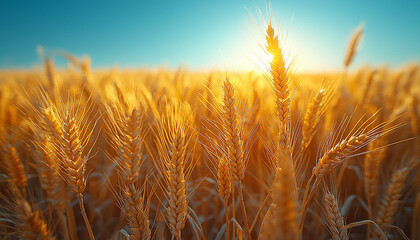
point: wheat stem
(241, 196)
(85, 218)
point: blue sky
(206, 34)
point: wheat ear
(129, 144)
(312, 117)
(50, 73)
(232, 133)
(367, 87)
(335, 220)
(136, 214)
(351, 49)
(371, 169)
(278, 71)
(74, 164)
(31, 225)
(391, 201)
(234, 144)
(176, 191)
(15, 168)
(224, 182)
(51, 125)
(338, 153)
(48, 171)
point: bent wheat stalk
(331, 159)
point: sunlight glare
(262, 60)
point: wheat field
(161, 154)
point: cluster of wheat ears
(183, 155)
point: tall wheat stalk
(234, 143)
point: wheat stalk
(286, 205)
(268, 226)
(224, 184)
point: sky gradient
(203, 35)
